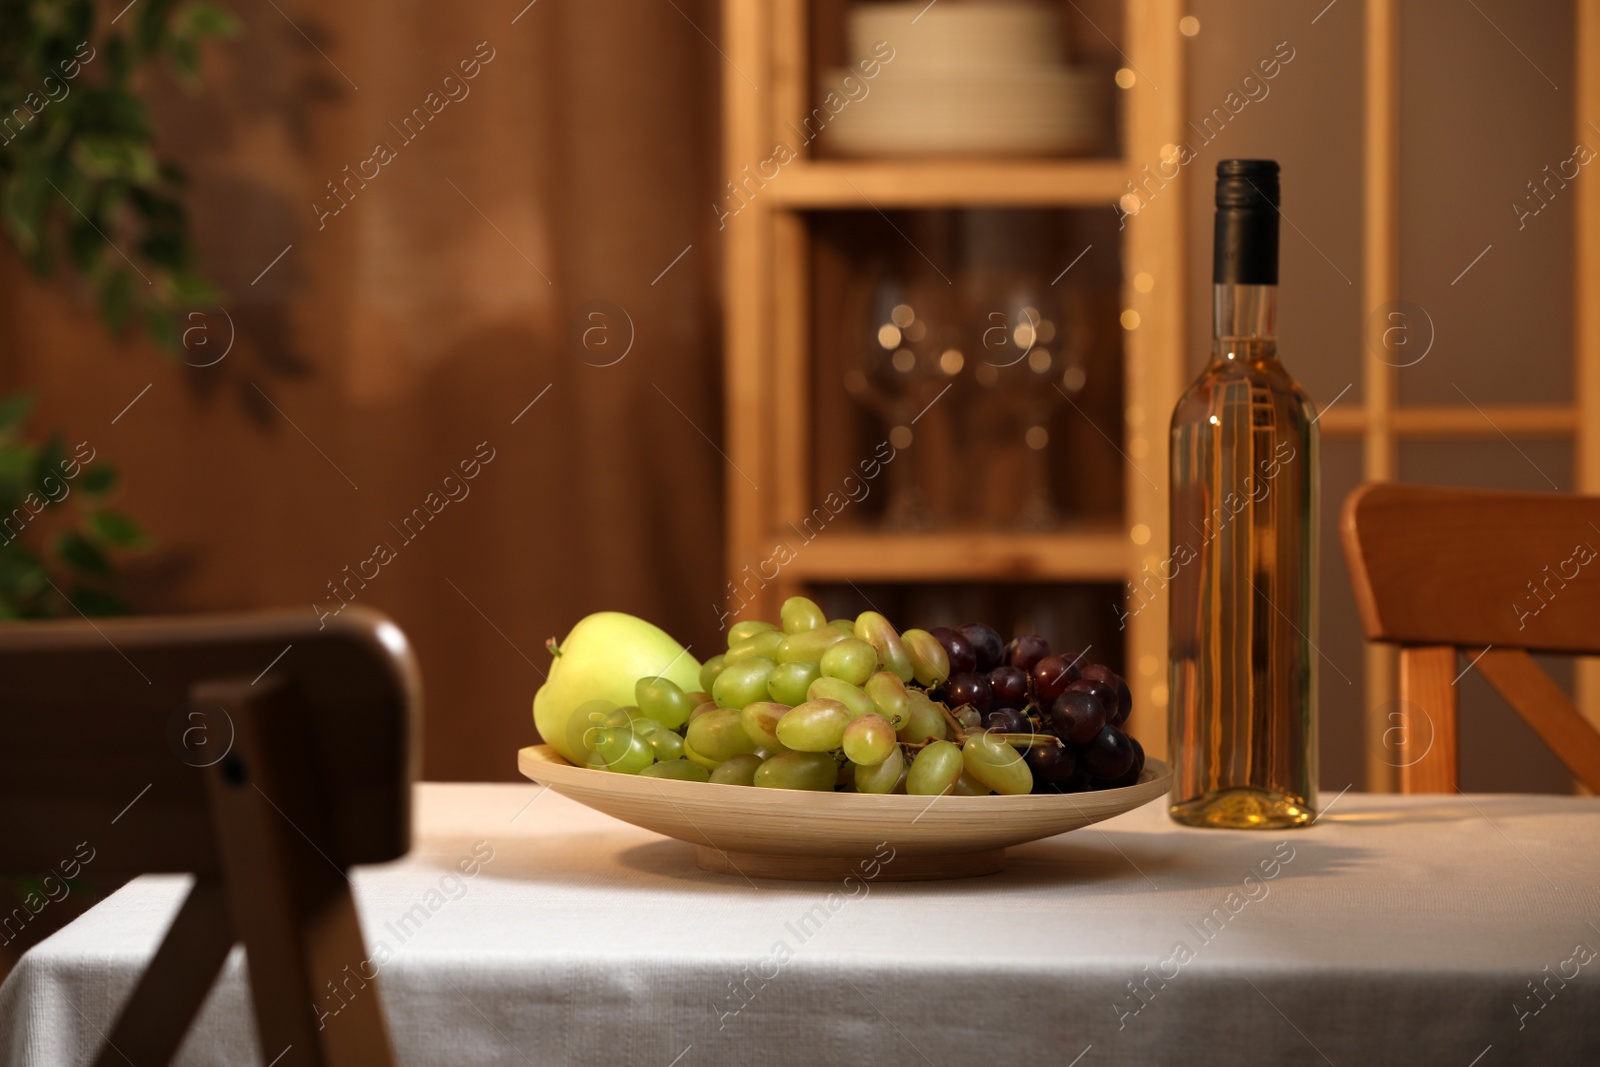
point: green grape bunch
(856, 706)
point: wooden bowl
(782, 833)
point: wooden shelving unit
(768, 351)
(767, 86)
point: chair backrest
(266, 754)
(95, 714)
(1495, 574)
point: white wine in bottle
(1244, 545)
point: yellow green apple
(602, 658)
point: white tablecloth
(1396, 930)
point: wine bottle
(1242, 624)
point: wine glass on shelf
(897, 375)
(1028, 365)
(1056, 364)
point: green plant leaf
(85, 243)
(186, 60)
(114, 158)
(22, 575)
(116, 529)
(48, 470)
(194, 290)
(78, 552)
(14, 409)
(97, 602)
(99, 479)
(17, 460)
(167, 250)
(10, 522)
(210, 20)
(162, 326)
(24, 206)
(116, 298)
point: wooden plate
(781, 833)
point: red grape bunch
(1065, 715)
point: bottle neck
(1244, 318)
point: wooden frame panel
(746, 266)
(1380, 285)
(1154, 361)
(1586, 296)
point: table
(1397, 930)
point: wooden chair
(262, 753)
(1494, 575)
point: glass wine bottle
(1243, 674)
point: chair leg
(290, 903)
(1539, 700)
(1426, 748)
(155, 1018)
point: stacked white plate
(953, 34)
(967, 78)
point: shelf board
(1450, 420)
(1099, 552)
(866, 184)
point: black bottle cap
(1246, 246)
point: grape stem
(1040, 740)
(1036, 740)
(949, 717)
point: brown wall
(414, 325)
